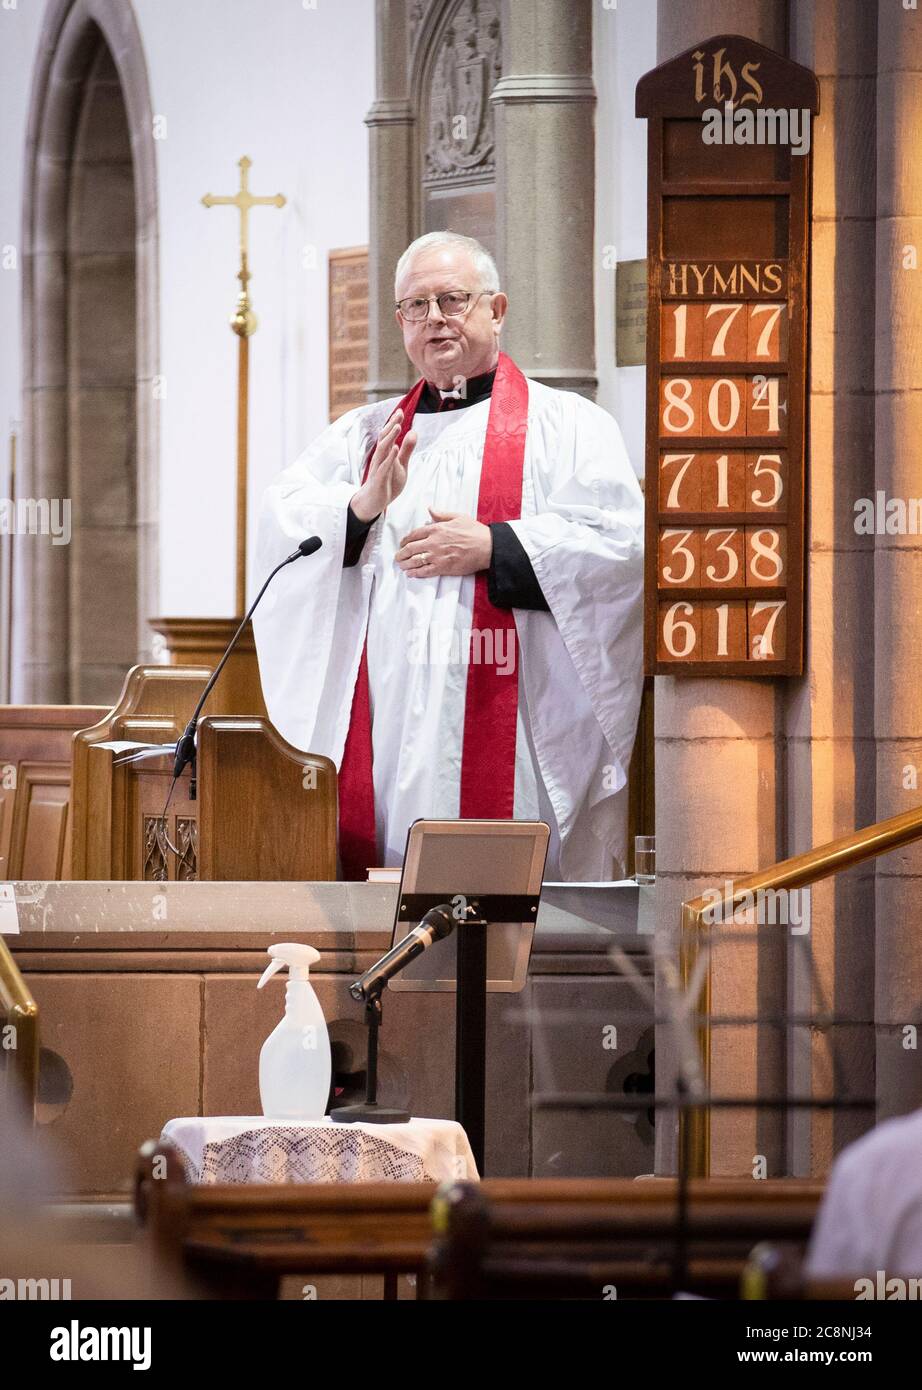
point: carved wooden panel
(187, 847)
(39, 831)
(154, 867)
(151, 829)
(727, 272)
(168, 843)
(33, 737)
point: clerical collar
(477, 388)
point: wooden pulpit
(264, 809)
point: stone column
(717, 793)
(392, 195)
(545, 143)
(828, 718)
(897, 593)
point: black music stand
(490, 872)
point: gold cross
(244, 321)
(244, 200)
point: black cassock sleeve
(356, 534)
(511, 581)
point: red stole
(491, 702)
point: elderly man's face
(444, 349)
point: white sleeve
(585, 543)
(311, 495)
(310, 624)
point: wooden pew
(35, 788)
(239, 1240)
(610, 1240)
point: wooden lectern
(265, 810)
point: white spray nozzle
(297, 957)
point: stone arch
(90, 357)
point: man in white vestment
(469, 638)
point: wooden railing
(800, 871)
(20, 1047)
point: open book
(131, 752)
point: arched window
(84, 594)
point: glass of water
(645, 858)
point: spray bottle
(294, 1064)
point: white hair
(484, 263)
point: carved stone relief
(459, 125)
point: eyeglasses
(452, 304)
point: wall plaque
(728, 195)
(630, 313)
(348, 343)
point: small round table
(253, 1148)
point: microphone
(185, 748)
(305, 548)
(435, 926)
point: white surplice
(580, 669)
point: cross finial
(243, 201)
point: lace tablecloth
(255, 1149)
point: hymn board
(728, 202)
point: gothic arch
(90, 355)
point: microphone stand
(371, 1113)
(370, 990)
(185, 748)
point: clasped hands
(452, 543)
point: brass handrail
(22, 1015)
(797, 872)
